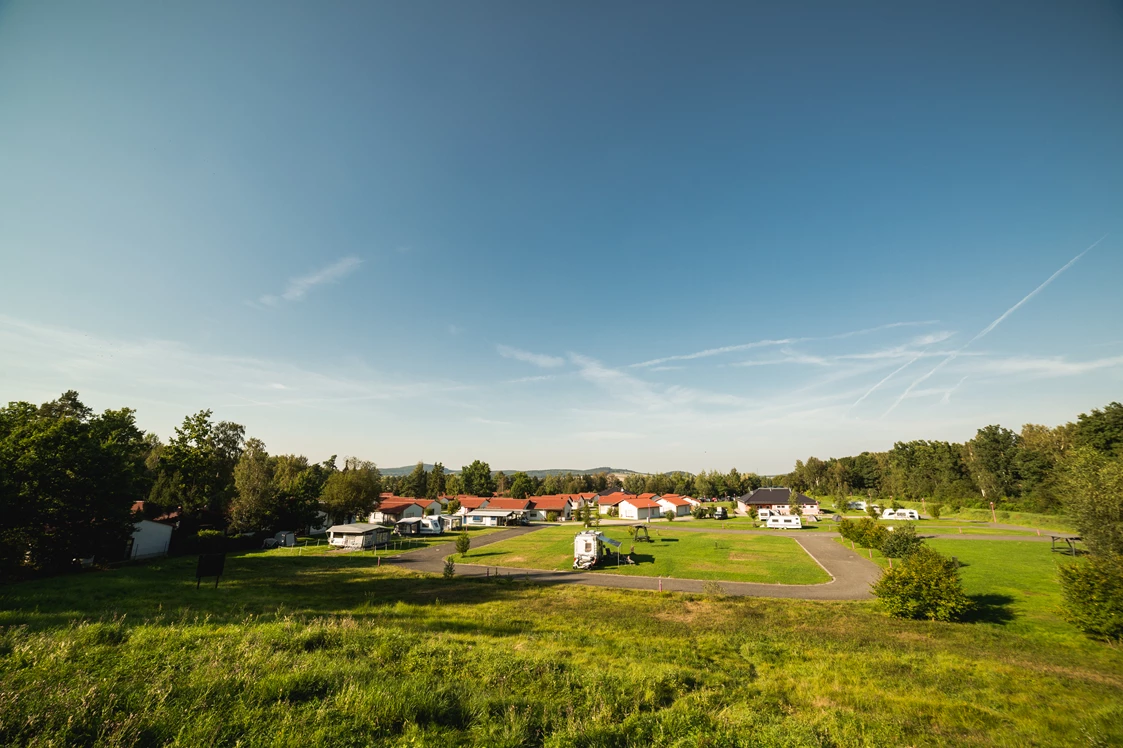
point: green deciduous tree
(254, 502)
(352, 491)
(1093, 483)
(68, 479)
(476, 479)
(521, 486)
(198, 464)
(463, 544)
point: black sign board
(210, 565)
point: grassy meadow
(684, 555)
(335, 650)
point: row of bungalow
(422, 516)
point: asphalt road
(851, 574)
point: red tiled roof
(472, 502)
(647, 496)
(551, 503)
(639, 503)
(508, 504)
(613, 499)
(592, 495)
(674, 499)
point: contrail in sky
(892, 374)
(951, 356)
(783, 341)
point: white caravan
(784, 522)
(909, 514)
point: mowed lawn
(333, 650)
(683, 555)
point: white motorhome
(589, 548)
(908, 514)
(785, 522)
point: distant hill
(406, 470)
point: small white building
(149, 540)
(390, 512)
(636, 508)
(495, 517)
(674, 503)
(358, 535)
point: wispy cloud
(299, 287)
(489, 422)
(53, 358)
(983, 333)
(537, 359)
(1048, 366)
(776, 342)
(539, 378)
(599, 436)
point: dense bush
(669, 515)
(902, 542)
(925, 585)
(865, 532)
(698, 512)
(1093, 592)
(211, 541)
(934, 509)
(551, 516)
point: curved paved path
(851, 574)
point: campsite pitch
(682, 555)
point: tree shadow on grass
(251, 586)
(990, 609)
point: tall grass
(322, 650)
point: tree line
(1021, 470)
(478, 479)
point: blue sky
(653, 236)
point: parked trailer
(784, 522)
(908, 514)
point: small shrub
(1093, 593)
(669, 515)
(871, 510)
(926, 585)
(450, 568)
(935, 509)
(698, 512)
(551, 516)
(869, 534)
(211, 541)
(614, 511)
(713, 588)
(463, 543)
(901, 543)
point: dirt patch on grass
(743, 556)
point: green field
(684, 555)
(331, 650)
